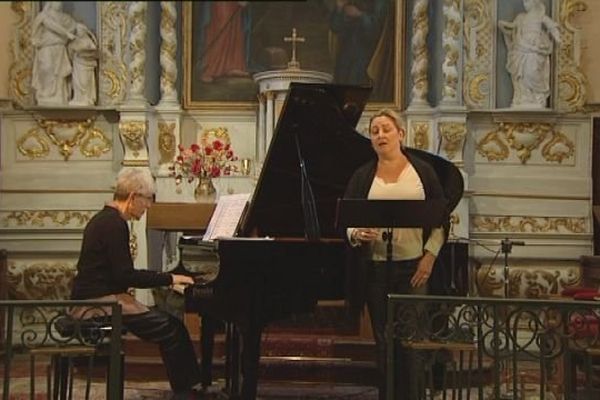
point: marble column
(137, 49)
(451, 45)
(168, 53)
(420, 54)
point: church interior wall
(528, 174)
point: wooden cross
(294, 64)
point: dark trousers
(175, 345)
(385, 278)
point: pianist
(395, 174)
(105, 271)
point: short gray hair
(134, 180)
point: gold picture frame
(263, 45)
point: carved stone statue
(529, 42)
(52, 30)
(84, 54)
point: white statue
(52, 30)
(529, 44)
(84, 54)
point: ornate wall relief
(524, 137)
(65, 136)
(572, 93)
(114, 44)
(529, 282)
(420, 134)
(47, 219)
(133, 136)
(452, 137)
(418, 71)
(40, 280)
(479, 47)
(166, 141)
(525, 224)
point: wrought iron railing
(490, 348)
(31, 326)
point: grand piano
(288, 253)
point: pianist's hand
(182, 280)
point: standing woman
(396, 174)
(105, 272)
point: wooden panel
(180, 216)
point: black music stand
(390, 214)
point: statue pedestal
(273, 87)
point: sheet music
(226, 216)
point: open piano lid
(321, 119)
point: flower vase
(205, 191)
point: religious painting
(227, 42)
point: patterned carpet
(155, 390)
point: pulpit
(273, 87)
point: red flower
(194, 147)
(217, 145)
(208, 150)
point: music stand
(390, 214)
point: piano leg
(207, 343)
(250, 362)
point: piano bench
(85, 342)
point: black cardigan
(105, 265)
(357, 257)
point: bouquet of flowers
(209, 159)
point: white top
(407, 243)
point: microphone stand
(506, 248)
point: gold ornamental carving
(46, 218)
(22, 54)
(65, 135)
(453, 135)
(478, 38)
(518, 224)
(166, 141)
(572, 83)
(133, 242)
(420, 135)
(113, 72)
(134, 133)
(524, 137)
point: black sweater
(105, 265)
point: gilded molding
(524, 137)
(134, 134)
(168, 51)
(92, 142)
(478, 44)
(453, 136)
(166, 141)
(46, 218)
(420, 131)
(114, 73)
(572, 83)
(137, 47)
(22, 54)
(523, 224)
(418, 71)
